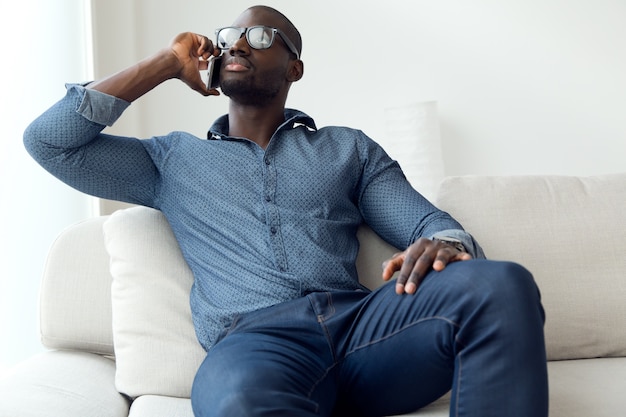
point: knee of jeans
(252, 402)
(207, 391)
(502, 284)
(512, 281)
(210, 398)
(226, 387)
(227, 403)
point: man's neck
(257, 124)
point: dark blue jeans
(475, 327)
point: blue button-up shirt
(256, 226)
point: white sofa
(115, 313)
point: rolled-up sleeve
(67, 141)
(99, 107)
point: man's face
(255, 76)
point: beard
(251, 93)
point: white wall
(39, 54)
(523, 87)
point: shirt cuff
(98, 107)
(471, 246)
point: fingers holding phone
(213, 72)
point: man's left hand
(417, 260)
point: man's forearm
(136, 80)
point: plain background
(522, 87)
(45, 44)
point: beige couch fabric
(570, 233)
(566, 230)
(76, 291)
(155, 343)
(62, 384)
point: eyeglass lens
(258, 37)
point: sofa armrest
(62, 384)
(76, 291)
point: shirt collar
(293, 119)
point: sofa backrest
(570, 233)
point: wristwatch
(455, 243)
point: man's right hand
(186, 56)
(193, 51)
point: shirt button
(273, 230)
(267, 161)
(268, 198)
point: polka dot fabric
(257, 227)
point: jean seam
(321, 320)
(458, 387)
(420, 321)
(320, 379)
(322, 317)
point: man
(266, 211)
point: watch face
(454, 243)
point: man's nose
(240, 47)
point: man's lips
(237, 65)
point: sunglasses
(258, 37)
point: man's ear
(296, 71)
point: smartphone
(213, 73)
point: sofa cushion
(155, 343)
(62, 383)
(570, 233)
(588, 387)
(160, 406)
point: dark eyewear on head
(258, 37)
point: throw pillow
(155, 344)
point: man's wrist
(455, 243)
